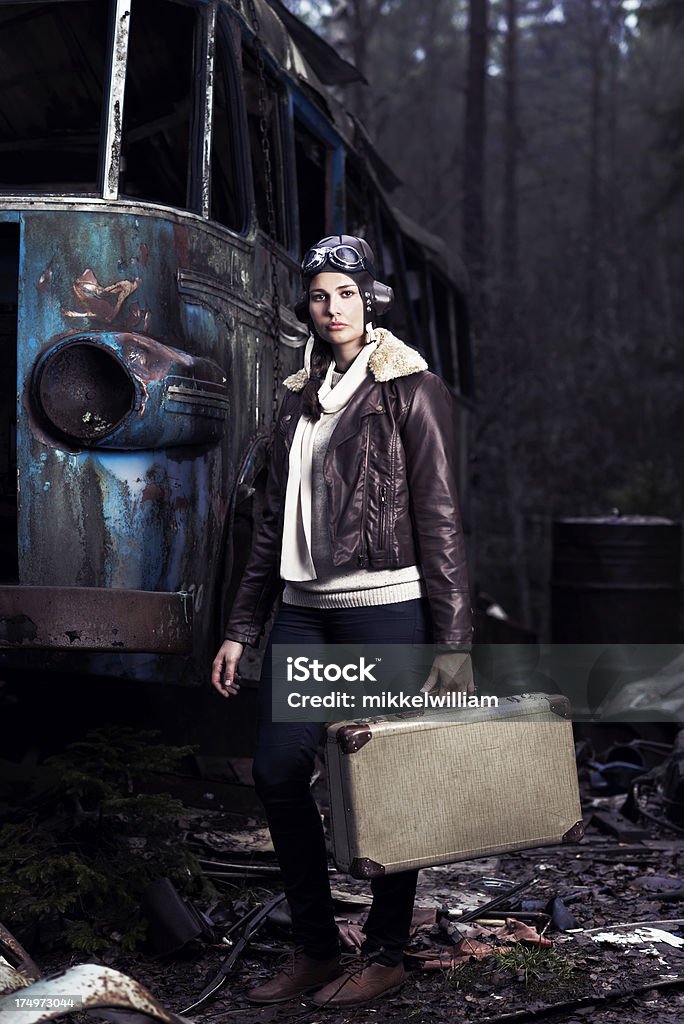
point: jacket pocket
(382, 517)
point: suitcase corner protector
(575, 833)
(351, 738)
(363, 867)
(560, 705)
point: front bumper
(94, 619)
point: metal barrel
(615, 580)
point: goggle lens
(348, 256)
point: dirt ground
(602, 882)
(600, 963)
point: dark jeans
(284, 764)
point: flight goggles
(342, 256)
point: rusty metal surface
(177, 302)
(85, 618)
(129, 391)
(115, 99)
(327, 63)
(85, 987)
(10, 979)
(209, 43)
(144, 507)
(12, 951)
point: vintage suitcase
(408, 792)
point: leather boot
(360, 983)
(301, 974)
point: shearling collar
(391, 359)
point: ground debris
(601, 882)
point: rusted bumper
(94, 619)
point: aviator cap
(350, 255)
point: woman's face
(336, 309)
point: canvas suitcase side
(408, 792)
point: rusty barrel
(615, 580)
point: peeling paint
(182, 244)
(86, 987)
(152, 492)
(145, 507)
(101, 304)
(45, 279)
(115, 98)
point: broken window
(51, 94)
(359, 198)
(227, 199)
(158, 102)
(259, 169)
(311, 156)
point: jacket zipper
(363, 556)
(381, 515)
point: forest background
(543, 140)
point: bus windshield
(51, 94)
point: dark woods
(543, 141)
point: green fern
(82, 855)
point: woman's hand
(450, 673)
(224, 669)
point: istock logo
(301, 670)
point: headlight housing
(128, 391)
(85, 391)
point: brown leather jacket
(392, 496)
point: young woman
(361, 526)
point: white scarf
(296, 562)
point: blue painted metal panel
(314, 117)
(140, 503)
(149, 519)
(106, 518)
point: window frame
(115, 105)
(227, 31)
(316, 124)
(104, 115)
(280, 133)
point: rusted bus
(137, 406)
(137, 274)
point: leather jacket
(392, 496)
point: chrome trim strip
(115, 100)
(210, 41)
(198, 397)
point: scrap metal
(85, 987)
(12, 950)
(472, 915)
(248, 925)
